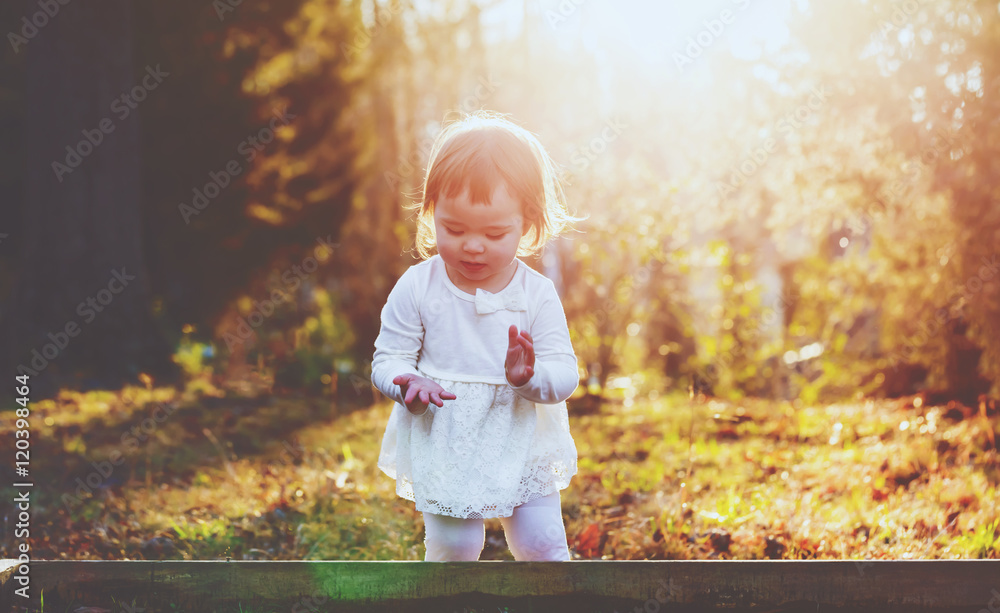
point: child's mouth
(473, 267)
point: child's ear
(533, 214)
(526, 211)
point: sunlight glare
(653, 30)
(658, 30)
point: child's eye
(452, 232)
(496, 236)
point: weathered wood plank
(299, 586)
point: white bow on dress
(512, 300)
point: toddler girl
(475, 350)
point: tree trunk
(80, 307)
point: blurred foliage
(191, 356)
(739, 357)
(855, 155)
(610, 271)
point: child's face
(478, 242)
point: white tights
(534, 532)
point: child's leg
(535, 530)
(452, 539)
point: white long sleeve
(430, 327)
(555, 375)
(400, 338)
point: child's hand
(520, 364)
(419, 391)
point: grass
(659, 478)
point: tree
(926, 209)
(80, 302)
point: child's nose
(474, 245)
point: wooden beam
(969, 586)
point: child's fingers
(528, 356)
(424, 397)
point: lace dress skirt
(480, 455)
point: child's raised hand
(520, 364)
(419, 391)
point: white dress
(495, 446)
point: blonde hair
(477, 153)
